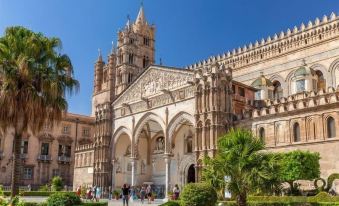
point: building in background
(47, 153)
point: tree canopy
(34, 77)
(240, 157)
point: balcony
(64, 159)
(23, 156)
(45, 158)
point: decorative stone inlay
(153, 82)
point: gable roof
(153, 81)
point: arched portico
(121, 157)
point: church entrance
(191, 174)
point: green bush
(323, 197)
(35, 193)
(57, 184)
(330, 180)
(198, 194)
(44, 188)
(171, 203)
(63, 199)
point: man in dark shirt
(125, 194)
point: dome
(303, 71)
(262, 81)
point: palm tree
(34, 77)
(240, 157)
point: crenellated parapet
(296, 102)
(277, 45)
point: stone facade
(47, 153)
(154, 123)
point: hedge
(34, 193)
(320, 199)
(82, 204)
(171, 203)
(250, 203)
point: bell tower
(135, 50)
(133, 54)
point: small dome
(303, 71)
(262, 81)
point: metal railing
(44, 157)
(23, 156)
(64, 158)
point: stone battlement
(84, 147)
(295, 102)
(279, 44)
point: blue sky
(187, 30)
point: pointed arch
(326, 74)
(176, 120)
(289, 82)
(334, 72)
(149, 116)
(281, 80)
(119, 132)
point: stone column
(167, 178)
(113, 174)
(133, 181)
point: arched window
(262, 134)
(120, 57)
(321, 82)
(130, 77)
(300, 85)
(330, 127)
(277, 91)
(296, 132)
(189, 144)
(130, 58)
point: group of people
(130, 193)
(92, 193)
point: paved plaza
(110, 202)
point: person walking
(142, 194)
(125, 194)
(176, 192)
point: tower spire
(100, 56)
(141, 15)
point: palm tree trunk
(16, 170)
(241, 200)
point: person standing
(125, 194)
(149, 193)
(142, 194)
(176, 192)
(109, 192)
(98, 194)
(94, 193)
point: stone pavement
(110, 203)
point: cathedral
(154, 124)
